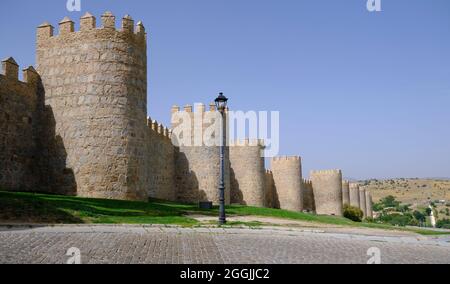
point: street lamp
(221, 105)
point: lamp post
(221, 105)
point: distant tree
(397, 219)
(419, 216)
(389, 201)
(414, 222)
(444, 224)
(353, 213)
(404, 208)
(428, 211)
(378, 206)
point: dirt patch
(297, 224)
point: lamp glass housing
(221, 102)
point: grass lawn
(56, 209)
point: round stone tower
(345, 192)
(362, 201)
(95, 84)
(287, 176)
(195, 134)
(354, 195)
(369, 204)
(247, 173)
(327, 187)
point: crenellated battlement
(286, 158)
(197, 108)
(159, 128)
(88, 26)
(354, 186)
(326, 172)
(10, 71)
(247, 143)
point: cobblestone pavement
(149, 244)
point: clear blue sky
(365, 92)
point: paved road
(140, 244)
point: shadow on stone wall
(36, 149)
(236, 195)
(55, 177)
(312, 201)
(276, 199)
(186, 181)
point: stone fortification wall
(95, 84)
(287, 176)
(327, 186)
(247, 172)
